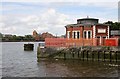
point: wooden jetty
(87, 53)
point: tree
(113, 26)
(1, 36)
(29, 37)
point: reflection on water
(75, 68)
(19, 63)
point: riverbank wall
(85, 53)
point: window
(85, 34)
(78, 35)
(89, 34)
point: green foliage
(1, 35)
(18, 38)
(28, 37)
(113, 26)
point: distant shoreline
(22, 41)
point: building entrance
(100, 41)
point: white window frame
(72, 34)
(84, 34)
(75, 34)
(90, 34)
(68, 34)
(87, 34)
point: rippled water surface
(19, 63)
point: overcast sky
(22, 17)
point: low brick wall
(64, 42)
(112, 42)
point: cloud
(55, 18)
(22, 18)
(99, 3)
(25, 5)
(61, 1)
(49, 20)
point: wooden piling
(87, 55)
(110, 56)
(116, 56)
(92, 55)
(98, 55)
(64, 56)
(104, 55)
(72, 54)
(83, 55)
(78, 54)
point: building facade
(86, 32)
(88, 28)
(36, 35)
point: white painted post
(94, 29)
(108, 31)
(100, 40)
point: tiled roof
(77, 25)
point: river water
(19, 63)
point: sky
(23, 17)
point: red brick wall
(64, 42)
(111, 42)
(55, 42)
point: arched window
(89, 34)
(78, 34)
(85, 34)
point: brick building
(86, 32)
(88, 28)
(42, 36)
(47, 35)
(36, 35)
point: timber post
(92, 55)
(104, 55)
(64, 56)
(83, 55)
(87, 55)
(116, 56)
(78, 54)
(98, 55)
(110, 56)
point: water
(19, 63)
